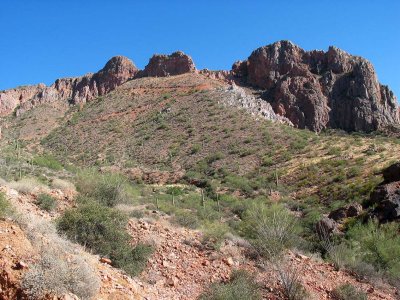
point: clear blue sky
(44, 40)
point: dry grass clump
(26, 185)
(62, 267)
(58, 273)
(63, 185)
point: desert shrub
(270, 229)
(47, 161)
(107, 189)
(102, 230)
(240, 286)
(334, 151)
(25, 185)
(4, 206)
(378, 245)
(195, 148)
(338, 252)
(56, 274)
(348, 292)
(240, 183)
(46, 202)
(186, 218)
(214, 233)
(289, 277)
(138, 214)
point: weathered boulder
(317, 89)
(349, 211)
(326, 226)
(168, 65)
(392, 173)
(386, 196)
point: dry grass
(27, 185)
(63, 185)
(62, 267)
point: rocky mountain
(74, 90)
(317, 89)
(312, 89)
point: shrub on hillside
(57, 275)
(348, 292)
(270, 229)
(378, 245)
(46, 202)
(289, 277)
(214, 233)
(47, 161)
(241, 286)
(102, 229)
(26, 185)
(4, 206)
(107, 189)
(62, 185)
(186, 219)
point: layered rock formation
(74, 90)
(168, 65)
(316, 89)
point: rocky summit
(74, 90)
(317, 89)
(311, 89)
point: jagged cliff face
(319, 89)
(75, 90)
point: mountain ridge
(313, 89)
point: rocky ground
(182, 266)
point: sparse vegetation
(55, 274)
(4, 206)
(47, 161)
(102, 230)
(46, 202)
(348, 292)
(240, 286)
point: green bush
(186, 219)
(102, 230)
(378, 245)
(348, 292)
(47, 161)
(240, 286)
(270, 229)
(4, 206)
(214, 233)
(46, 202)
(107, 189)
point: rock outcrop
(168, 65)
(317, 89)
(118, 70)
(238, 97)
(386, 196)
